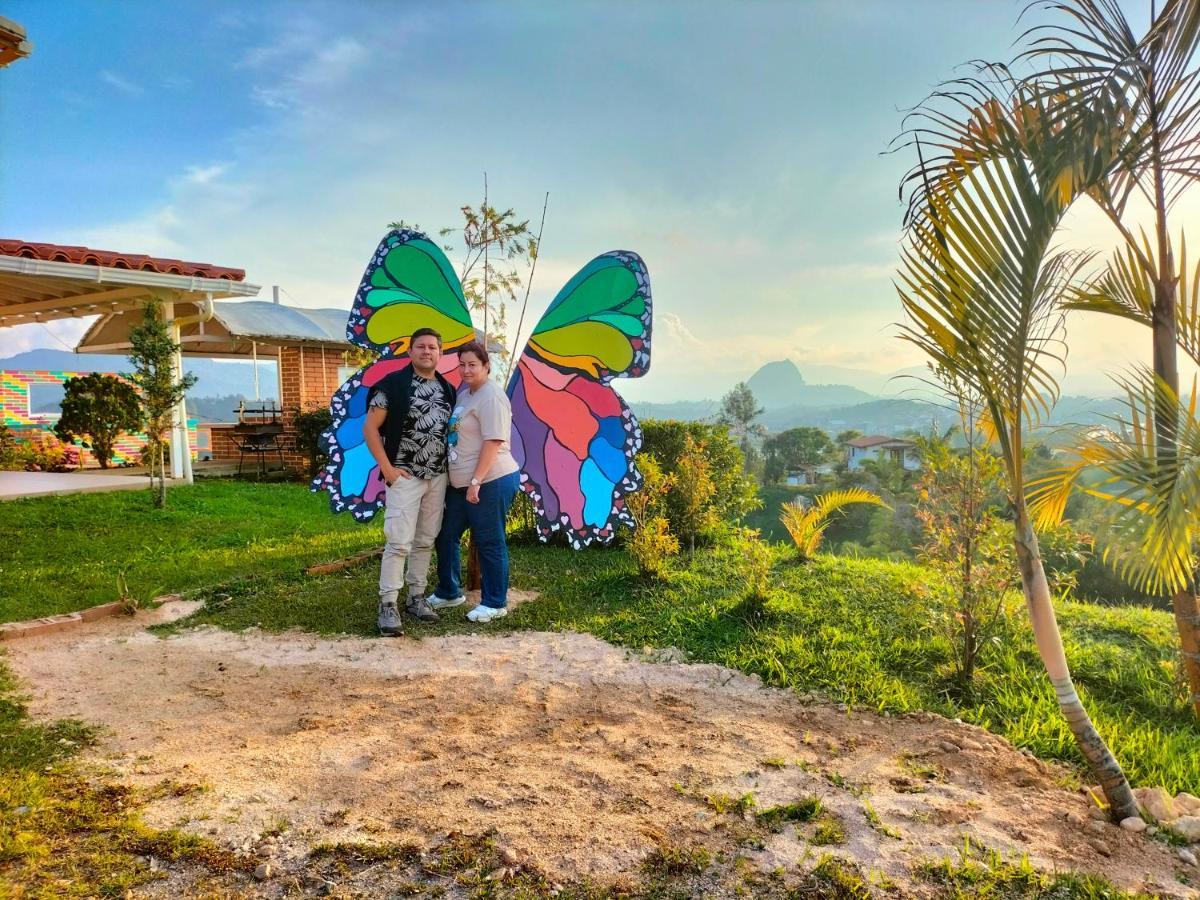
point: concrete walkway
(16, 485)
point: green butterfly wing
(408, 284)
(599, 323)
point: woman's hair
(479, 350)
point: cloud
(204, 174)
(59, 334)
(302, 59)
(121, 83)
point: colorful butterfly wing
(573, 435)
(408, 284)
(352, 476)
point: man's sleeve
(495, 421)
(378, 400)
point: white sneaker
(483, 614)
(436, 602)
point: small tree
(735, 494)
(695, 488)
(796, 448)
(96, 410)
(739, 409)
(495, 246)
(152, 352)
(964, 543)
(651, 542)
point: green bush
(309, 427)
(736, 492)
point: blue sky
(738, 147)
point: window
(45, 399)
(344, 373)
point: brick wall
(308, 377)
(15, 387)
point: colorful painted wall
(17, 413)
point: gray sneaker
(419, 609)
(389, 620)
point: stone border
(10, 631)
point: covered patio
(306, 344)
(44, 282)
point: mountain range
(787, 398)
(214, 378)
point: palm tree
(982, 287)
(807, 525)
(1143, 94)
(1150, 523)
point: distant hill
(779, 385)
(213, 378)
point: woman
(484, 479)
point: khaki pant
(411, 520)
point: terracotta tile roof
(111, 259)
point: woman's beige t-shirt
(485, 415)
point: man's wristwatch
(475, 482)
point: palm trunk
(1104, 766)
(1187, 620)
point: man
(408, 415)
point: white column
(181, 456)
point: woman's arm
(487, 459)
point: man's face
(426, 351)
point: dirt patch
(582, 757)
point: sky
(740, 148)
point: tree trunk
(474, 577)
(1187, 620)
(160, 499)
(1104, 766)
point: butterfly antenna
(516, 345)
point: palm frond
(1125, 289)
(981, 284)
(807, 525)
(1091, 56)
(1150, 522)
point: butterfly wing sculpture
(573, 436)
(408, 284)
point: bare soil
(579, 756)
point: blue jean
(486, 521)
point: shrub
(9, 458)
(734, 493)
(309, 427)
(693, 490)
(45, 453)
(651, 544)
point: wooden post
(474, 580)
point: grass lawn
(66, 553)
(853, 629)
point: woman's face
(474, 372)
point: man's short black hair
(421, 332)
